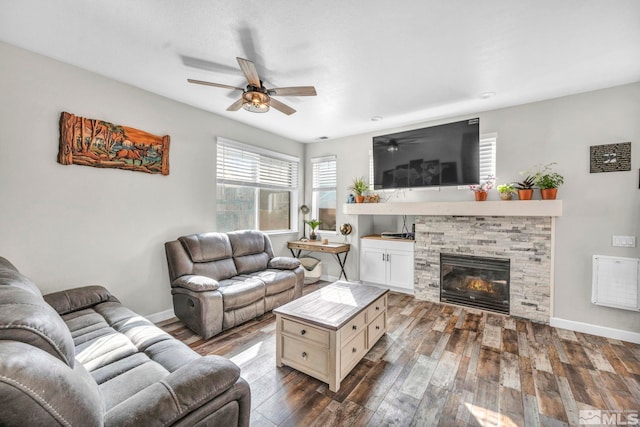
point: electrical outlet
(623, 241)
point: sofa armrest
(284, 263)
(196, 283)
(177, 395)
(78, 298)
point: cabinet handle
(302, 332)
(353, 350)
(377, 308)
(377, 328)
(383, 256)
(354, 327)
(304, 355)
(387, 257)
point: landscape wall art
(94, 142)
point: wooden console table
(296, 247)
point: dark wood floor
(440, 365)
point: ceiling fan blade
(283, 108)
(293, 91)
(250, 72)
(200, 82)
(235, 106)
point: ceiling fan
(257, 98)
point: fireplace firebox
(474, 281)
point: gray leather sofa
(220, 280)
(80, 358)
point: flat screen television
(443, 155)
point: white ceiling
(408, 61)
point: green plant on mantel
(547, 178)
(527, 183)
(358, 187)
(506, 189)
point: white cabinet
(387, 262)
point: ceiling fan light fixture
(392, 147)
(256, 102)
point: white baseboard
(601, 331)
(160, 316)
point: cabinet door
(400, 269)
(373, 265)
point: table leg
(342, 262)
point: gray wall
(596, 206)
(67, 226)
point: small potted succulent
(481, 190)
(548, 181)
(525, 187)
(358, 187)
(506, 191)
(313, 224)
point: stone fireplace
(525, 241)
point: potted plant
(481, 190)
(525, 187)
(358, 187)
(313, 224)
(548, 182)
(506, 191)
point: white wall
(66, 226)
(596, 206)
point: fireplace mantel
(548, 208)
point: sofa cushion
(249, 242)
(207, 247)
(27, 318)
(241, 291)
(275, 281)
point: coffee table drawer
(351, 353)
(353, 327)
(377, 307)
(306, 332)
(305, 357)
(376, 329)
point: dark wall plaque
(611, 157)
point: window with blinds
(256, 188)
(323, 204)
(487, 155)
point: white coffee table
(326, 333)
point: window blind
(487, 156)
(241, 164)
(324, 173)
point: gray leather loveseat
(80, 358)
(220, 280)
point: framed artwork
(94, 142)
(610, 157)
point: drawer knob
(354, 327)
(377, 308)
(353, 350)
(304, 355)
(377, 327)
(302, 332)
